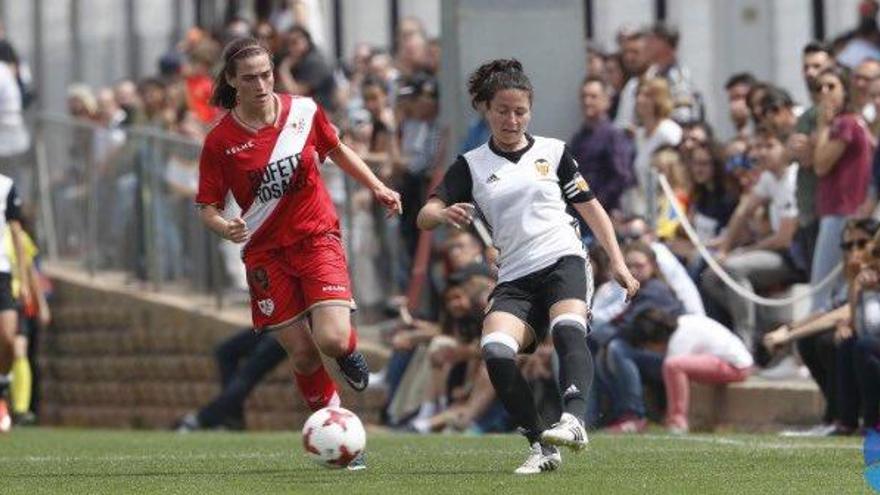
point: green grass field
(97, 461)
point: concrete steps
(118, 356)
(755, 405)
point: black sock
(513, 390)
(575, 367)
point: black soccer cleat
(355, 370)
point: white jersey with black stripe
(522, 197)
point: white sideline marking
(754, 444)
(119, 458)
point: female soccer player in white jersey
(266, 151)
(520, 185)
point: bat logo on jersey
(274, 180)
(542, 166)
(267, 306)
(581, 183)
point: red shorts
(286, 283)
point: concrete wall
(547, 37)
(117, 356)
(719, 37)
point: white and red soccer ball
(333, 437)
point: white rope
(742, 291)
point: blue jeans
(495, 420)
(395, 369)
(625, 366)
(827, 255)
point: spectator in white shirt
(697, 348)
(14, 137)
(768, 261)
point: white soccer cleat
(568, 432)
(541, 458)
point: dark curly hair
(495, 76)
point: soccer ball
(333, 437)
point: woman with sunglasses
(841, 159)
(825, 340)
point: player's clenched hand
(627, 281)
(389, 198)
(236, 231)
(459, 215)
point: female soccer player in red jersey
(266, 151)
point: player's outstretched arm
(594, 214)
(351, 163)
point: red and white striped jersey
(272, 173)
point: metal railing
(122, 200)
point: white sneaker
(568, 432)
(677, 430)
(541, 458)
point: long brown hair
(224, 95)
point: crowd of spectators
(781, 201)
(776, 204)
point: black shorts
(529, 298)
(6, 299)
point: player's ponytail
(494, 76)
(224, 95)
